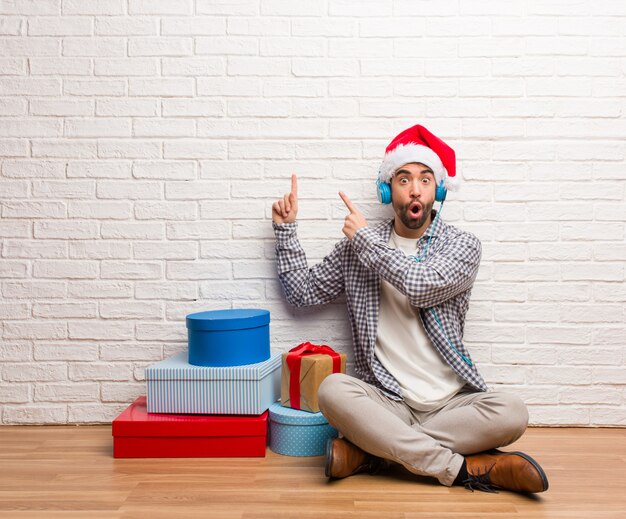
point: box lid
(136, 421)
(290, 416)
(177, 367)
(236, 319)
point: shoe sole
(329, 452)
(544, 478)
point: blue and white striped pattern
(175, 386)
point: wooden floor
(68, 472)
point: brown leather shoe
(345, 459)
(506, 470)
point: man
(419, 399)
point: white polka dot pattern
(305, 434)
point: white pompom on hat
(417, 144)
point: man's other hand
(355, 220)
(286, 209)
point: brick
(126, 67)
(161, 332)
(130, 310)
(127, 107)
(194, 149)
(193, 67)
(34, 289)
(126, 270)
(33, 210)
(198, 270)
(66, 392)
(64, 351)
(94, 7)
(115, 330)
(36, 87)
(99, 169)
(164, 290)
(253, 66)
(61, 67)
(91, 87)
(193, 107)
(166, 211)
(66, 230)
(99, 289)
(34, 372)
(12, 106)
(101, 211)
(100, 250)
(98, 127)
(14, 311)
(65, 310)
(100, 46)
(31, 414)
(166, 170)
(128, 190)
(168, 251)
(129, 149)
(126, 26)
(159, 47)
(202, 230)
(64, 149)
(152, 127)
(160, 87)
(176, 7)
(71, 269)
(14, 269)
(196, 25)
(121, 392)
(61, 107)
(99, 371)
(14, 393)
(131, 230)
(94, 413)
(59, 26)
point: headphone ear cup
(440, 194)
(383, 191)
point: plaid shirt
(443, 280)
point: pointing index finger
(294, 184)
(348, 202)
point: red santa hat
(417, 144)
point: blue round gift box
(228, 337)
(298, 433)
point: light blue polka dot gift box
(298, 433)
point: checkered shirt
(443, 280)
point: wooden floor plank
(69, 472)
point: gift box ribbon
(294, 361)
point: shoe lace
(480, 481)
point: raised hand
(355, 220)
(286, 209)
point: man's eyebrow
(423, 172)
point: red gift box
(139, 434)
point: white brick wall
(143, 142)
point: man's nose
(416, 188)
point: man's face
(413, 188)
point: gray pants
(430, 443)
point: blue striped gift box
(175, 386)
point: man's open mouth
(415, 210)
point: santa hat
(417, 144)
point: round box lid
(228, 319)
(289, 416)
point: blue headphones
(383, 191)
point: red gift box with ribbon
(304, 368)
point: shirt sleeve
(304, 286)
(440, 276)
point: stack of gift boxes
(219, 398)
